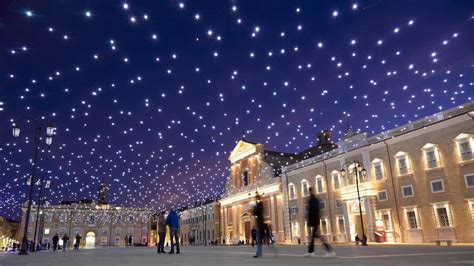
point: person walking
(65, 239)
(161, 227)
(172, 220)
(253, 234)
(313, 222)
(130, 241)
(126, 240)
(55, 242)
(258, 213)
(78, 242)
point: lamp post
(47, 185)
(359, 169)
(16, 133)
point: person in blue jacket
(172, 220)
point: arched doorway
(90, 240)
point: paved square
(242, 255)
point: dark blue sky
(151, 96)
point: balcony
(365, 189)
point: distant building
(201, 223)
(99, 224)
(8, 232)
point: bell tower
(103, 194)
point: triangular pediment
(242, 150)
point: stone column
(224, 223)
(286, 208)
(272, 210)
(281, 229)
(369, 204)
(347, 222)
(367, 166)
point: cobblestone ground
(242, 255)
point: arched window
(291, 191)
(304, 187)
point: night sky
(151, 96)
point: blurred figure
(172, 220)
(253, 233)
(258, 213)
(55, 242)
(161, 227)
(313, 222)
(65, 239)
(78, 242)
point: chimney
(324, 138)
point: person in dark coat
(258, 213)
(55, 242)
(253, 233)
(130, 240)
(313, 222)
(172, 220)
(78, 242)
(161, 227)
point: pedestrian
(253, 233)
(172, 220)
(258, 213)
(49, 245)
(130, 240)
(55, 242)
(78, 242)
(126, 240)
(313, 222)
(65, 239)
(161, 232)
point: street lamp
(47, 185)
(16, 133)
(359, 169)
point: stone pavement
(242, 255)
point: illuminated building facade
(418, 184)
(98, 223)
(8, 232)
(201, 223)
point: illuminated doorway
(90, 240)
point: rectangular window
(386, 222)
(245, 178)
(412, 221)
(437, 186)
(338, 203)
(324, 227)
(382, 195)
(104, 231)
(469, 180)
(465, 150)
(117, 241)
(407, 191)
(443, 219)
(319, 185)
(294, 210)
(130, 230)
(91, 219)
(322, 205)
(402, 166)
(78, 218)
(431, 159)
(118, 231)
(378, 171)
(46, 231)
(335, 181)
(340, 225)
(63, 218)
(130, 218)
(103, 241)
